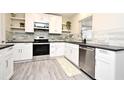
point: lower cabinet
(23, 51)
(6, 63)
(57, 49)
(109, 65)
(72, 53)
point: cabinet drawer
(101, 53)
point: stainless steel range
(41, 46)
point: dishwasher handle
(87, 48)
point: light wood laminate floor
(43, 68)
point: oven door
(40, 49)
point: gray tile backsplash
(22, 36)
(19, 36)
(113, 37)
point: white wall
(2, 27)
(75, 25)
(65, 19)
(108, 29)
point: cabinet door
(26, 51)
(2, 68)
(58, 24)
(23, 51)
(68, 51)
(60, 49)
(52, 49)
(75, 55)
(17, 52)
(29, 22)
(103, 70)
(9, 65)
(56, 49)
(105, 61)
(55, 24)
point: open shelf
(17, 18)
(21, 28)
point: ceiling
(64, 14)
(67, 14)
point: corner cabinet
(55, 24)
(23, 51)
(109, 64)
(57, 49)
(72, 53)
(6, 63)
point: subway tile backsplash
(113, 37)
(22, 36)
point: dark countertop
(2, 46)
(107, 47)
(20, 42)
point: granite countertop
(107, 47)
(2, 46)
(20, 42)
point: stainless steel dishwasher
(87, 60)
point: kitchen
(61, 46)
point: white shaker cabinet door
(55, 24)
(105, 64)
(103, 70)
(2, 68)
(29, 22)
(23, 51)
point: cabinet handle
(19, 50)
(6, 63)
(10, 48)
(103, 51)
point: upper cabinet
(29, 22)
(55, 24)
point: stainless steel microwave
(41, 25)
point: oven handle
(41, 43)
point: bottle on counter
(85, 40)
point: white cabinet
(72, 53)
(55, 24)
(104, 69)
(6, 63)
(2, 68)
(29, 22)
(109, 64)
(57, 49)
(23, 51)
(30, 18)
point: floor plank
(43, 68)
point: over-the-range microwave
(41, 25)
